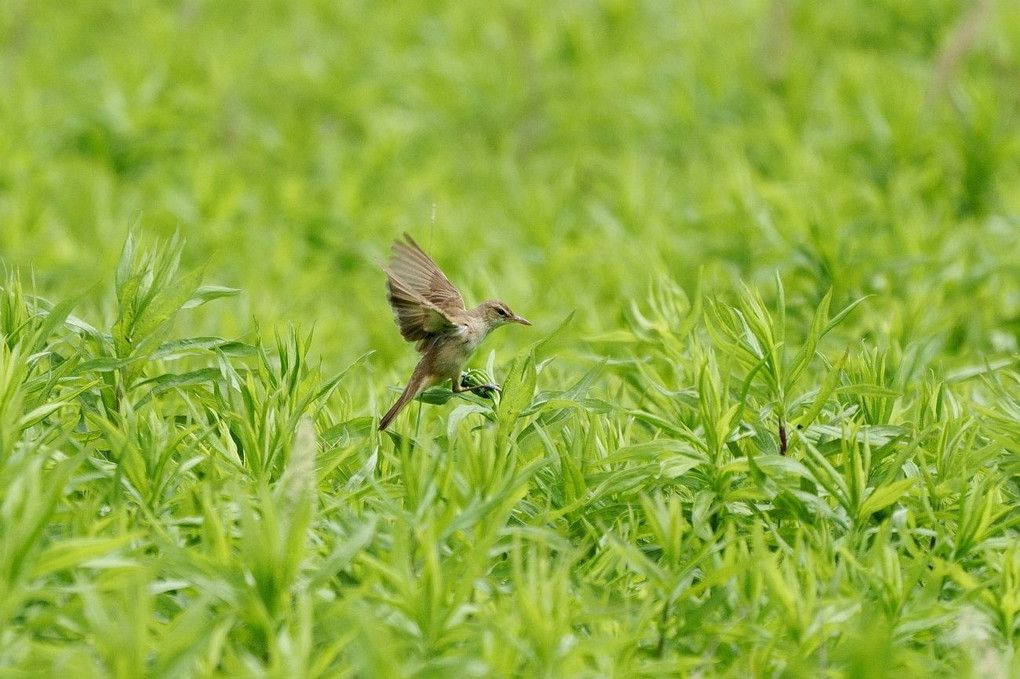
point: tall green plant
(151, 292)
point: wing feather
(425, 303)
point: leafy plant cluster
(723, 498)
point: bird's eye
(500, 311)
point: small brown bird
(431, 312)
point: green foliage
(777, 436)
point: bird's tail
(410, 391)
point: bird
(430, 312)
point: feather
(425, 303)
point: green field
(766, 424)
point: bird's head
(497, 313)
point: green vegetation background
(636, 163)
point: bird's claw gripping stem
(487, 390)
(484, 390)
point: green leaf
(580, 388)
(155, 316)
(344, 553)
(518, 390)
(198, 345)
(126, 262)
(55, 317)
(208, 293)
(459, 414)
(824, 391)
(883, 496)
(168, 381)
(76, 552)
(38, 414)
(105, 364)
(838, 318)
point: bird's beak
(522, 321)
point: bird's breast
(451, 351)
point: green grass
(767, 422)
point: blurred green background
(571, 153)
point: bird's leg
(484, 390)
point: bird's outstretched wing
(424, 301)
